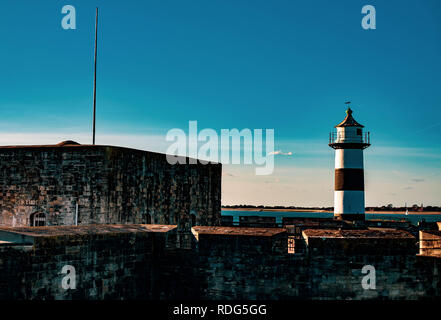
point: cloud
(279, 152)
(428, 127)
(408, 188)
(227, 174)
(418, 180)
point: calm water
(414, 218)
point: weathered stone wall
(109, 184)
(110, 265)
(227, 221)
(405, 277)
(137, 265)
(361, 246)
(242, 267)
(430, 242)
(257, 222)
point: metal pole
(94, 78)
(76, 214)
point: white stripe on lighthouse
(348, 201)
(348, 159)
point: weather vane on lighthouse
(349, 143)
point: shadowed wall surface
(109, 185)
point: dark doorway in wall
(38, 219)
(193, 219)
(149, 218)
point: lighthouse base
(349, 216)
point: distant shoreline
(327, 211)
(276, 210)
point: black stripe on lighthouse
(349, 179)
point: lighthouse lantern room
(349, 141)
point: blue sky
(287, 65)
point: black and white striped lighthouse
(349, 142)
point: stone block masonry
(111, 262)
(226, 263)
(44, 185)
(430, 242)
(252, 263)
(371, 241)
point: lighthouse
(349, 141)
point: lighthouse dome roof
(349, 121)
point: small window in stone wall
(38, 219)
(149, 218)
(193, 219)
(359, 132)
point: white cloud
(227, 174)
(279, 152)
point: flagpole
(94, 78)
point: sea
(412, 217)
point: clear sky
(285, 65)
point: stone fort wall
(110, 262)
(141, 262)
(107, 185)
